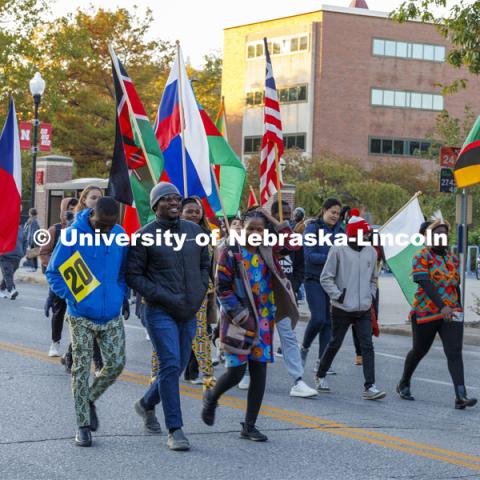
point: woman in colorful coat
(253, 293)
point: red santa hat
(355, 224)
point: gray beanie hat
(160, 190)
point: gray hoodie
(350, 274)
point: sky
(199, 24)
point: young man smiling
(173, 285)
(92, 281)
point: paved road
(336, 436)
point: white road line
(134, 327)
(389, 355)
(33, 309)
(438, 382)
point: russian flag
(200, 180)
(10, 181)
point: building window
(402, 99)
(278, 46)
(294, 140)
(417, 51)
(403, 147)
(252, 144)
(285, 95)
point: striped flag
(270, 178)
(467, 166)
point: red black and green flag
(467, 166)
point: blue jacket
(20, 247)
(107, 264)
(316, 256)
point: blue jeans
(173, 343)
(320, 322)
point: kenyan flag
(467, 167)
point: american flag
(272, 136)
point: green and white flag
(399, 258)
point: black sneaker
(209, 407)
(93, 418)
(83, 438)
(149, 418)
(404, 392)
(250, 432)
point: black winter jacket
(175, 281)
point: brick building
(350, 80)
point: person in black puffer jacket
(173, 285)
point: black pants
(258, 379)
(8, 266)
(59, 308)
(356, 342)
(341, 322)
(451, 334)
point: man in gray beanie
(173, 285)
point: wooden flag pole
(113, 56)
(227, 224)
(279, 190)
(182, 123)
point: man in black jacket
(173, 285)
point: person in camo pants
(96, 315)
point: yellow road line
(299, 419)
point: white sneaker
(322, 385)
(373, 393)
(244, 383)
(53, 352)
(331, 371)
(12, 295)
(302, 390)
(3, 294)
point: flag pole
(279, 190)
(399, 211)
(227, 224)
(182, 123)
(132, 115)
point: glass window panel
(292, 94)
(387, 147)
(377, 97)
(409, 50)
(424, 147)
(437, 102)
(283, 94)
(301, 142)
(302, 93)
(257, 143)
(416, 100)
(259, 50)
(414, 148)
(417, 51)
(375, 145)
(251, 51)
(390, 48)
(402, 49)
(389, 98)
(276, 48)
(250, 98)
(290, 141)
(440, 54)
(398, 147)
(400, 99)
(258, 98)
(378, 46)
(427, 101)
(428, 52)
(248, 145)
(303, 43)
(294, 44)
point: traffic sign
(448, 156)
(447, 180)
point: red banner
(40, 177)
(448, 156)
(25, 132)
(45, 137)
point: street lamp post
(37, 87)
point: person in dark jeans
(437, 309)
(349, 278)
(9, 263)
(30, 227)
(173, 285)
(317, 299)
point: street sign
(45, 137)
(448, 156)
(25, 132)
(447, 180)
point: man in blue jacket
(92, 281)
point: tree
(460, 26)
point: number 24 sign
(78, 277)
